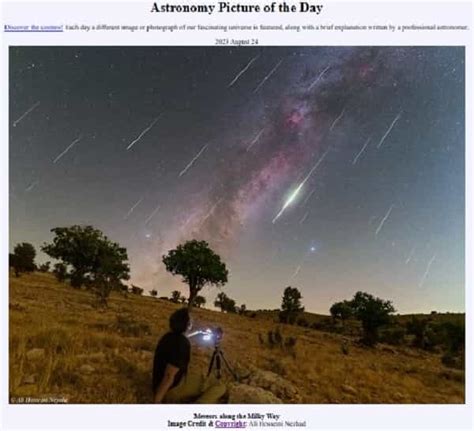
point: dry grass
(62, 345)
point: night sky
(331, 169)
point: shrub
(276, 339)
(45, 267)
(136, 290)
(373, 313)
(393, 335)
(23, 258)
(302, 322)
(60, 271)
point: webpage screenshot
(236, 215)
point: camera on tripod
(215, 335)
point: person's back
(172, 356)
(171, 383)
(174, 349)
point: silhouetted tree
(45, 267)
(373, 313)
(23, 258)
(341, 310)
(137, 290)
(60, 271)
(94, 259)
(418, 327)
(198, 265)
(291, 305)
(225, 303)
(199, 301)
(175, 296)
(154, 293)
(242, 309)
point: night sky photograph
(330, 169)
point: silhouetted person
(171, 381)
(172, 355)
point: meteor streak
(152, 214)
(130, 211)
(192, 161)
(337, 119)
(67, 149)
(360, 152)
(257, 137)
(25, 114)
(422, 281)
(304, 217)
(298, 189)
(143, 132)
(268, 76)
(318, 78)
(32, 186)
(211, 210)
(383, 220)
(298, 269)
(242, 71)
(389, 129)
(407, 261)
(307, 198)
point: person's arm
(166, 382)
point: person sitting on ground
(171, 381)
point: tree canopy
(198, 266)
(94, 259)
(341, 310)
(225, 303)
(373, 313)
(23, 258)
(199, 301)
(291, 305)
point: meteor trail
(383, 220)
(422, 281)
(242, 71)
(67, 149)
(311, 193)
(32, 186)
(337, 119)
(192, 161)
(268, 76)
(360, 152)
(143, 132)
(152, 214)
(130, 211)
(304, 217)
(25, 114)
(407, 261)
(389, 129)
(211, 210)
(297, 190)
(257, 137)
(318, 78)
(298, 269)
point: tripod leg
(211, 364)
(231, 371)
(218, 365)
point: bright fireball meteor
(293, 196)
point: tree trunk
(191, 300)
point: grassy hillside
(62, 345)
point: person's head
(180, 321)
